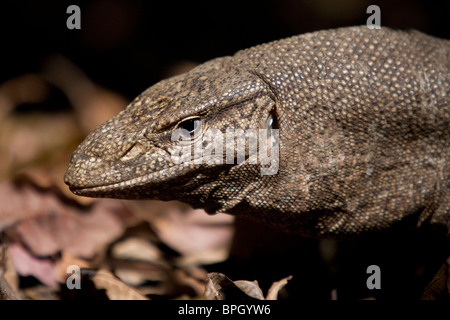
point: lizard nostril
(132, 152)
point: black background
(129, 45)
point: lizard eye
(190, 124)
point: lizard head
(150, 149)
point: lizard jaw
(147, 186)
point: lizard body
(364, 134)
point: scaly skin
(364, 125)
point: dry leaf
(136, 260)
(47, 222)
(194, 231)
(115, 289)
(27, 264)
(41, 292)
(220, 287)
(215, 282)
(272, 294)
(26, 88)
(41, 222)
(29, 141)
(134, 248)
(132, 276)
(61, 266)
(250, 288)
(203, 257)
(8, 277)
(138, 272)
(191, 279)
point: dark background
(128, 45)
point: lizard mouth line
(150, 178)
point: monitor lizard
(363, 120)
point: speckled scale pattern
(364, 123)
